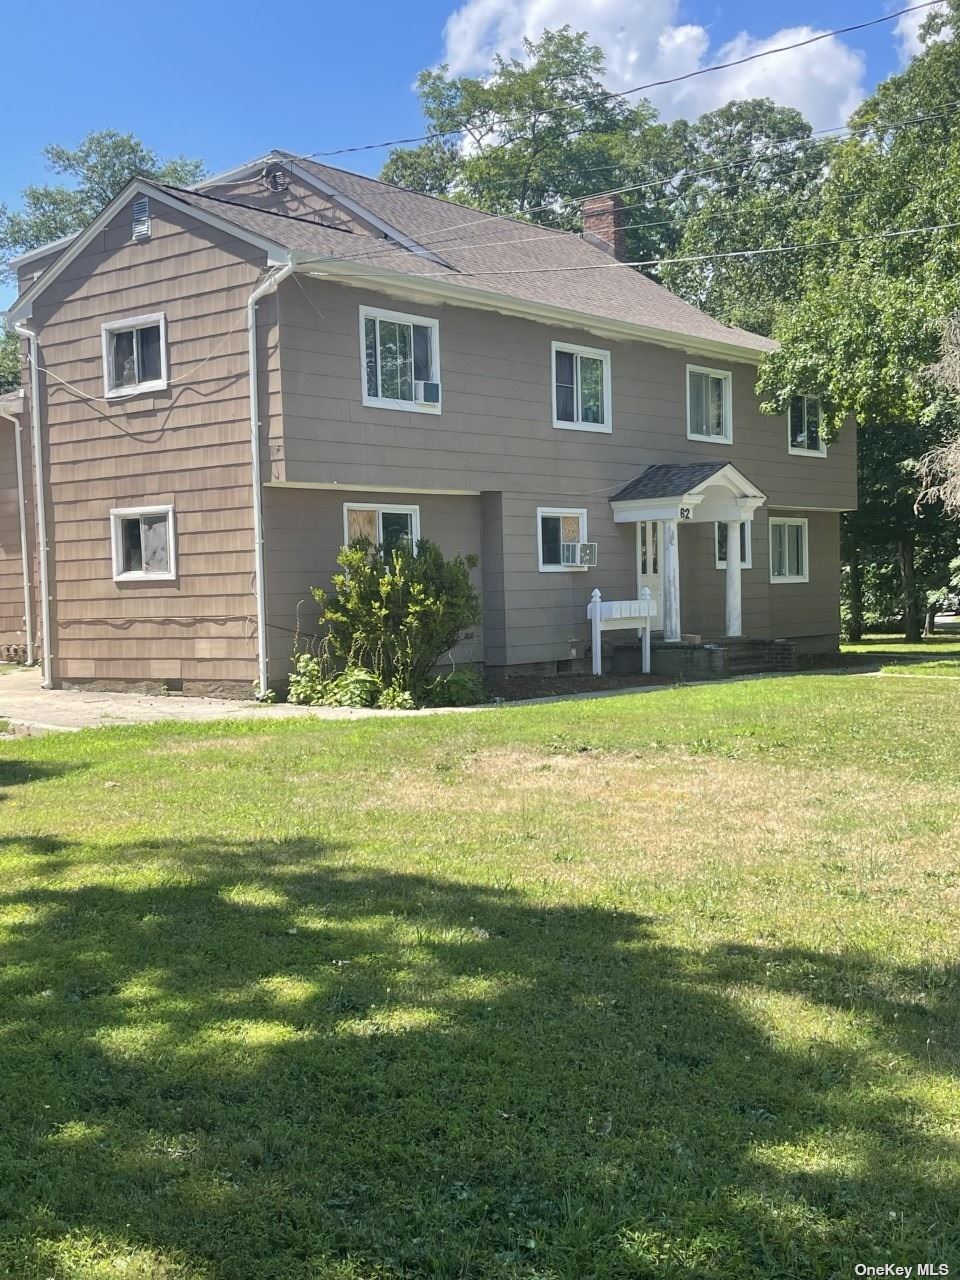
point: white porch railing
(621, 615)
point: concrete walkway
(28, 708)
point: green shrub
(394, 698)
(397, 614)
(353, 687)
(307, 683)
(458, 689)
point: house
(224, 383)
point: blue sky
(227, 81)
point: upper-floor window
(143, 543)
(581, 388)
(746, 549)
(559, 534)
(386, 527)
(134, 355)
(788, 549)
(709, 404)
(401, 360)
(804, 424)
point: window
(559, 534)
(804, 425)
(581, 388)
(143, 543)
(746, 551)
(134, 355)
(709, 404)
(401, 361)
(386, 527)
(788, 550)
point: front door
(649, 542)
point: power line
(445, 237)
(609, 94)
(704, 257)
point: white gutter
(449, 290)
(43, 546)
(24, 541)
(266, 286)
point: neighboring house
(223, 384)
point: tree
(540, 133)
(940, 466)
(755, 173)
(9, 362)
(867, 323)
(100, 167)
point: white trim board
(353, 486)
(410, 287)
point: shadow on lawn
(269, 1066)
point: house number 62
(684, 513)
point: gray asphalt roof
(668, 480)
(478, 250)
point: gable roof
(681, 480)
(449, 248)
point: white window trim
(748, 545)
(133, 322)
(727, 376)
(790, 520)
(595, 353)
(806, 453)
(402, 317)
(116, 543)
(581, 514)
(381, 508)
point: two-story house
(224, 384)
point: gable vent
(141, 218)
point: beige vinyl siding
(304, 533)
(810, 609)
(495, 434)
(187, 445)
(496, 423)
(298, 200)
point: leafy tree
(540, 132)
(868, 321)
(9, 362)
(99, 167)
(870, 315)
(754, 179)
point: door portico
(691, 493)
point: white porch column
(671, 582)
(734, 599)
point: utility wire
(640, 88)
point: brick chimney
(603, 225)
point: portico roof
(668, 480)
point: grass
(663, 985)
(942, 642)
(942, 667)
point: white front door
(649, 544)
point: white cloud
(643, 41)
(907, 33)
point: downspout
(266, 286)
(43, 548)
(14, 420)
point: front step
(717, 660)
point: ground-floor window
(387, 527)
(789, 558)
(746, 550)
(560, 532)
(143, 543)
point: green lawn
(650, 986)
(941, 643)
